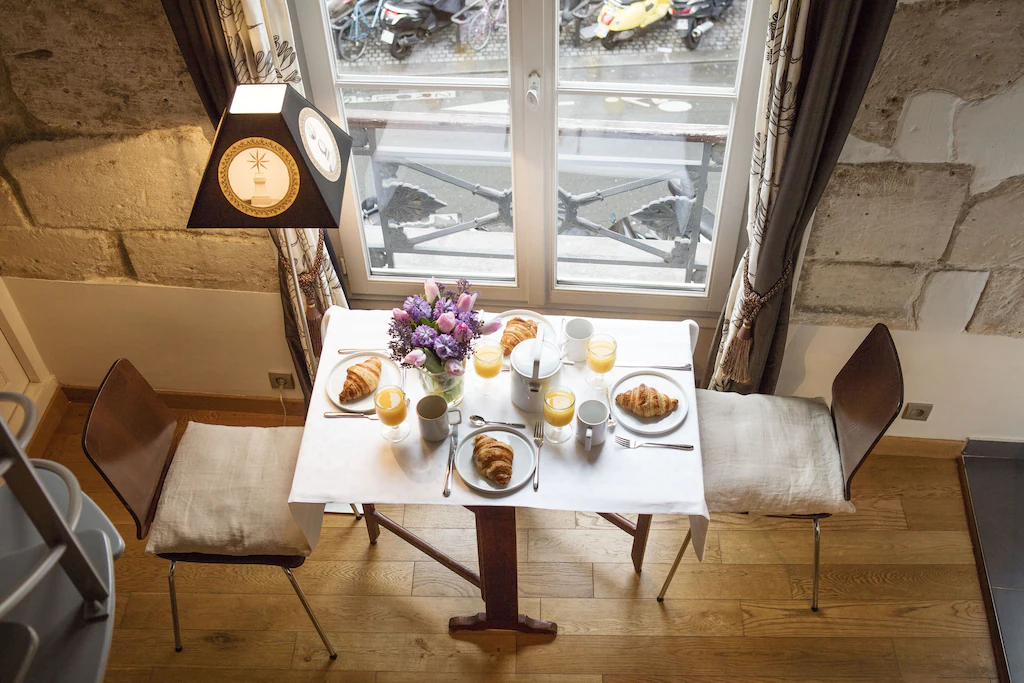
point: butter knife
(451, 461)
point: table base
(523, 624)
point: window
(549, 150)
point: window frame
(534, 192)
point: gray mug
(435, 418)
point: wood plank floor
(900, 596)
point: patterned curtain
(776, 103)
(261, 48)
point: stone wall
(922, 224)
(103, 141)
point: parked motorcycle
(406, 23)
(618, 21)
(694, 18)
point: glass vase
(442, 384)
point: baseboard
(922, 448)
(52, 414)
(220, 402)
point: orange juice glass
(392, 409)
(559, 409)
(601, 351)
(487, 363)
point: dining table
(348, 460)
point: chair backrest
(867, 395)
(129, 438)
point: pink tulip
(491, 326)
(454, 368)
(430, 289)
(462, 333)
(400, 315)
(466, 301)
(446, 323)
(416, 357)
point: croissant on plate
(362, 380)
(517, 330)
(646, 401)
(493, 459)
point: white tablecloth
(347, 459)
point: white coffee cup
(435, 419)
(577, 334)
(591, 423)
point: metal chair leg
(817, 562)
(356, 512)
(309, 611)
(675, 566)
(174, 607)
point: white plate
(387, 36)
(390, 373)
(650, 426)
(550, 335)
(523, 462)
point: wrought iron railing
(663, 233)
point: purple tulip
(400, 315)
(491, 326)
(416, 357)
(462, 333)
(466, 301)
(454, 368)
(446, 323)
(430, 289)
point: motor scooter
(618, 21)
(406, 23)
(694, 18)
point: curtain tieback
(736, 363)
(308, 283)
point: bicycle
(353, 29)
(491, 15)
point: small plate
(550, 334)
(651, 426)
(390, 373)
(523, 462)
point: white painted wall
(976, 382)
(180, 339)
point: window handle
(533, 90)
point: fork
(629, 443)
(538, 438)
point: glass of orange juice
(559, 409)
(391, 411)
(600, 359)
(487, 363)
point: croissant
(646, 401)
(517, 330)
(362, 380)
(493, 459)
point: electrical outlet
(917, 411)
(282, 380)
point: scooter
(689, 15)
(406, 23)
(618, 21)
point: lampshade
(277, 162)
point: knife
(451, 461)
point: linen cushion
(769, 455)
(226, 493)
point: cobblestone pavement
(659, 40)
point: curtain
(818, 60)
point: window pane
(435, 38)
(638, 187)
(434, 181)
(651, 41)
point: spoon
(608, 398)
(478, 421)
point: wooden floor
(900, 596)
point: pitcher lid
(525, 351)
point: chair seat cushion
(226, 493)
(769, 455)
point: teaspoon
(478, 421)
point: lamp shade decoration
(276, 162)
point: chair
(219, 496)
(794, 457)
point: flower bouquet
(434, 332)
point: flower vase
(442, 384)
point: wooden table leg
(643, 528)
(499, 576)
(372, 527)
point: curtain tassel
(313, 320)
(736, 363)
